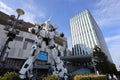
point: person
(70, 77)
(114, 77)
(65, 77)
(109, 77)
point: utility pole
(10, 36)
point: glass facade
(85, 34)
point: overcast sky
(105, 12)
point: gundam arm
(27, 68)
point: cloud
(29, 17)
(6, 9)
(33, 12)
(115, 38)
(107, 12)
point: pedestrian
(109, 77)
(115, 77)
(65, 77)
(72, 76)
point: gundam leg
(57, 64)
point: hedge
(90, 77)
(51, 77)
(10, 76)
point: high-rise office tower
(86, 34)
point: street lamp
(19, 12)
(10, 36)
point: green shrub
(10, 76)
(90, 77)
(51, 77)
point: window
(26, 42)
(19, 38)
(25, 45)
(20, 52)
(29, 40)
(83, 52)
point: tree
(101, 61)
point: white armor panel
(42, 33)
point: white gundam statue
(45, 36)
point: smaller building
(19, 48)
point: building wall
(100, 38)
(20, 47)
(23, 42)
(86, 34)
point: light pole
(19, 12)
(10, 36)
